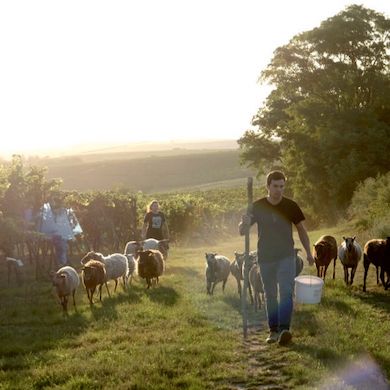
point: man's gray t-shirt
(274, 224)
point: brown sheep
(325, 249)
(236, 270)
(150, 265)
(94, 274)
(377, 252)
(257, 285)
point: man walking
(275, 216)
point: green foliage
(370, 206)
(327, 122)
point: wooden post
(246, 264)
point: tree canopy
(327, 120)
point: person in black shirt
(155, 224)
(274, 216)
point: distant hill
(149, 171)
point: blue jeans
(61, 250)
(278, 277)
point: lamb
(377, 252)
(257, 285)
(150, 265)
(325, 249)
(217, 270)
(298, 262)
(350, 253)
(161, 245)
(94, 274)
(116, 266)
(66, 280)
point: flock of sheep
(147, 257)
(325, 249)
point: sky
(115, 72)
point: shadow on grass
(379, 300)
(163, 295)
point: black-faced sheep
(66, 280)
(377, 252)
(257, 286)
(324, 251)
(150, 265)
(93, 275)
(350, 253)
(116, 266)
(217, 270)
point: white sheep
(66, 280)
(160, 245)
(350, 253)
(116, 266)
(132, 266)
(132, 247)
(217, 270)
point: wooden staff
(246, 260)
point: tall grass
(176, 336)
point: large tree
(327, 120)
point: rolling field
(176, 336)
(149, 171)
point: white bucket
(308, 289)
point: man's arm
(302, 233)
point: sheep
(350, 253)
(116, 266)
(325, 249)
(236, 270)
(217, 270)
(298, 262)
(150, 265)
(161, 245)
(93, 275)
(377, 252)
(132, 247)
(66, 280)
(257, 285)
(132, 265)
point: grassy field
(152, 172)
(176, 336)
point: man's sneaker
(285, 337)
(272, 338)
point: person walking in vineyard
(155, 224)
(275, 215)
